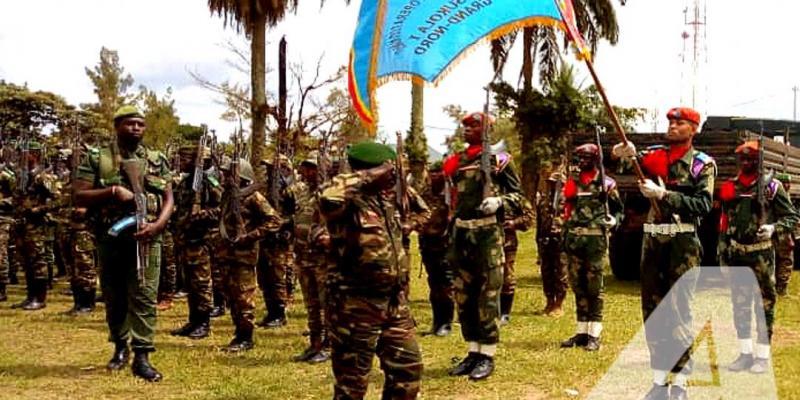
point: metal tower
(695, 54)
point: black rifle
(133, 169)
(608, 219)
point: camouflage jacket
(549, 220)
(465, 175)
(194, 217)
(7, 187)
(584, 203)
(103, 168)
(689, 181)
(40, 198)
(258, 217)
(739, 219)
(366, 239)
(521, 215)
(308, 226)
(439, 222)
(418, 212)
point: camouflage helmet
(245, 169)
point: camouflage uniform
(83, 257)
(548, 242)
(476, 250)
(7, 179)
(784, 243)
(130, 304)
(433, 247)
(586, 244)
(666, 257)
(368, 300)
(169, 265)
(196, 224)
(238, 260)
(739, 247)
(516, 219)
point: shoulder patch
(772, 187)
(700, 161)
(610, 183)
(502, 159)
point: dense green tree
(111, 85)
(23, 110)
(160, 117)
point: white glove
(624, 150)
(765, 232)
(490, 205)
(652, 190)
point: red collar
(587, 176)
(676, 152)
(747, 180)
(473, 151)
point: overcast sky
(748, 62)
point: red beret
(749, 148)
(475, 117)
(684, 113)
(588, 148)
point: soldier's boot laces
(579, 340)
(120, 357)
(657, 392)
(483, 368)
(243, 341)
(592, 343)
(141, 368)
(677, 393)
(3, 295)
(742, 363)
(466, 365)
(38, 300)
(201, 329)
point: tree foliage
(111, 85)
(159, 116)
(24, 110)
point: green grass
(47, 355)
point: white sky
(751, 65)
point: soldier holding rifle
(128, 191)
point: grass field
(48, 355)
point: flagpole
(620, 131)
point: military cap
(475, 117)
(784, 178)
(748, 148)
(127, 112)
(369, 154)
(588, 149)
(684, 113)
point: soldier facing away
(106, 183)
(368, 290)
(548, 243)
(784, 242)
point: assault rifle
(197, 179)
(24, 167)
(234, 191)
(763, 180)
(133, 169)
(608, 219)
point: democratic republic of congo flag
(422, 39)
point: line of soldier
(350, 245)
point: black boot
(242, 341)
(275, 318)
(483, 368)
(120, 357)
(506, 301)
(76, 301)
(579, 340)
(201, 327)
(466, 365)
(187, 327)
(39, 296)
(141, 367)
(3, 295)
(28, 296)
(592, 343)
(219, 305)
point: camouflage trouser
(240, 290)
(477, 258)
(586, 257)
(84, 260)
(762, 265)
(510, 245)
(15, 257)
(130, 305)
(784, 260)
(362, 327)
(34, 252)
(313, 272)
(440, 279)
(665, 259)
(5, 228)
(553, 268)
(196, 258)
(50, 251)
(275, 259)
(62, 249)
(169, 267)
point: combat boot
(219, 305)
(592, 343)
(443, 330)
(75, 302)
(506, 302)
(579, 340)
(141, 367)
(483, 368)
(275, 318)
(39, 297)
(120, 357)
(28, 297)
(657, 392)
(466, 365)
(201, 328)
(742, 363)
(3, 295)
(187, 327)
(677, 393)
(242, 341)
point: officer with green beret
(105, 184)
(368, 285)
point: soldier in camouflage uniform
(747, 229)
(7, 182)
(33, 203)
(103, 185)
(516, 219)
(588, 208)
(477, 244)
(368, 299)
(169, 269)
(681, 182)
(275, 263)
(241, 230)
(196, 221)
(433, 246)
(553, 266)
(83, 262)
(784, 242)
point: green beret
(368, 154)
(785, 178)
(435, 166)
(126, 112)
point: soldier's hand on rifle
(148, 231)
(490, 205)
(121, 194)
(623, 150)
(652, 190)
(765, 232)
